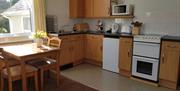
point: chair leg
(2, 83)
(36, 81)
(57, 75)
(10, 84)
(41, 79)
(48, 73)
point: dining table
(27, 52)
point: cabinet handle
(172, 46)
(163, 58)
(128, 53)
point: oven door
(145, 68)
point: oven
(146, 53)
(146, 68)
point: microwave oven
(122, 9)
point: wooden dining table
(30, 51)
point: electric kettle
(115, 27)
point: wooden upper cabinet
(169, 64)
(76, 8)
(89, 6)
(125, 56)
(92, 9)
(102, 8)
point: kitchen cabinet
(125, 56)
(92, 9)
(72, 49)
(101, 8)
(78, 48)
(169, 64)
(89, 7)
(66, 54)
(97, 8)
(76, 8)
(93, 48)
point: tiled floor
(102, 80)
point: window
(15, 17)
(26, 24)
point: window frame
(23, 28)
(4, 37)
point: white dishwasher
(111, 54)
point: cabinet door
(125, 56)
(89, 6)
(101, 8)
(78, 49)
(97, 47)
(89, 47)
(76, 8)
(169, 65)
(94, 47)
(66, 54)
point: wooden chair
(2, 65)
(45, 64)
(13, 73)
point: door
(101, 8)
(125, 56)
(170, 57)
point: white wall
(158, 16)
(163, 18)
(60, 8)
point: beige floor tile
(103, 80)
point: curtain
(39, 11)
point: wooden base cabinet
(72, 49)
(66, 53)
(125, 56)
(169, 64)
(78, 49)
(93, 48)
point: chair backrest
(54, 41)
(2, 64)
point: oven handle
(148, 44)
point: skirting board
(93, 62)
(146, 82)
